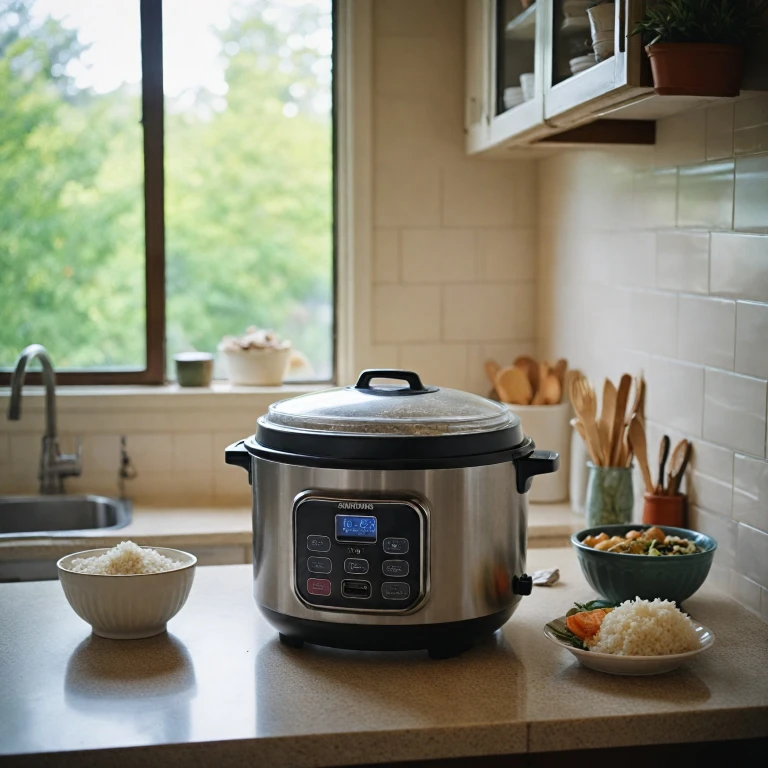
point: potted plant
(696, 47)
(602, 15)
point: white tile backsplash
(752, 338)
(739, 266)
(735, 411)
(405, 313)
(705, 196)
(675, 395)
(682, 261)
(439, 255)
(751, 546)
(488, 312)
(706, 331)
(655, 317)
(750, 491)
(386, 256)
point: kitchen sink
(23, 516)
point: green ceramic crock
(620, 577)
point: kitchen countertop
(219, 688)
(548, 524)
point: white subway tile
(709, 494)
(682, 261)
(101, 453)
(654, 322)
(193, 452)
(751, 125)
(675, 395)
(386, 256)
(722, 529)
(739, 266)
(681, 139)
(750, 492)
(706, 331)
(438, 255)
(406, 313)
(712, 460)
(25, 451)
(735, 411)
(173, 488)
(5, 452)
(444, 365)
(230, 486)
(477, 193)
(507, 254)
(746, 592)
(409, 66)
(720, 131)
(751, 196)
(752, 554)
(425, 18)
(488, 312)
(151, 452)
(705, 196)
(378, 356)
(406, 195)
(630, 259)
(655, 198)
(752, 338)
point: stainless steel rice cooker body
(389, 517)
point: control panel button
(319, 564)
(393, 546)
(355, 565)
(395, 590)
(320, 587)
(394, 568)
(318, 543)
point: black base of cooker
(441, 641)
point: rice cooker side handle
(237, 455)
(535, 463)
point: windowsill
(169, 396)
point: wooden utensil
(638, 402)
(605, 422)
(561, 366)
(622, 396)
(637, 442)
(531, 368)
(677, 466)
(663, 455)
(585, 404)
(551, 390)
(538, 397)
(513, 386)
(578, 425)
(491, 369)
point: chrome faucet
(54, 466)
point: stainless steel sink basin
(22, 516)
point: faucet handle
(71, 464)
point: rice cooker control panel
(358, 554)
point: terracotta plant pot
(664, 510)
(696, 69)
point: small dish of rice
(127, 592)
(638, 637)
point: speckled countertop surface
(548, 525)
(219, 689)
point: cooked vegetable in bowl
(652, 541)
(622, 574)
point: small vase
(610, 499)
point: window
(166, 178)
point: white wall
(657, 259)
(454, 238)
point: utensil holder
(664, 510)
(610, 498)
(549, 426)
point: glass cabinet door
(515, 53)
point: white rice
(126, 559)
(645, 628)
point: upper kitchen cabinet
(536, 70)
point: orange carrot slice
(587, 623)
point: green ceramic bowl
(620, 577)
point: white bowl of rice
(127, 592)
(641, 637)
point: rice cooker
(389, 516)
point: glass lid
(401, 409)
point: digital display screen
(355, 528)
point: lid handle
(414, 382)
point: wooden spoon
(605, 422)
(677, 466)
(531, 368)
(539, 397)
(638, 402)
(585, 404)
(637, 442)
(561, 366)
(513, 386)
(663, 455)
(578, 425)
(491, 369)
(618, 419)
(551, 390)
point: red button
(319, 587)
